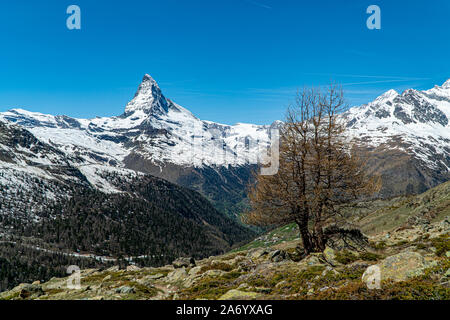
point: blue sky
(226, 61)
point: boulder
(235, 294)
(195, 271)
(278, 256)
(313, 259)
(125, 290)
(402, 266)
(330, 256)
(183, 263)
(31, 290)
(177, 275)
(257, 253)
(133, 268)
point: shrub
(369, 256)
(345, 257)
(442, 244)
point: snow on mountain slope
(153, 127)
(157, 136)
(418, 122)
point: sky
(226, 61)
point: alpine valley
(157, 183)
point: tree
(320, 173)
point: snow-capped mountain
(53, 201)
(155, 135)
(153, 127)
(409, 134)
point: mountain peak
(387, 95)
(148, 78)
(148, 98)
(446, 84)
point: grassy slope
(255, 276)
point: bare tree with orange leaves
(319, 173)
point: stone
(235, 294)
(262, 290)
(278, 256)
(330, 256)
(328, 270)
(257, 253)
(243, 286)
(403, 266)
(30, 290)
(273, 254)
(195, 271)
(125, 290)
(113, 269)
(156, 276)
(183, 263)
(133, 268)
(177, 275)
(214, 273)
(108, 277)
(313, 259)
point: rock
(133, 268)
(273, 254)
(214, 273)
(313, 259)
(447, 254)
(30, 290)
(177, 275)
(257, 253)
(278, 256)
(403, 266)
(329, 269)
(262, 290)
(155, 276)
(108, 277)
(330, 256)
(183, 263)
(113, 269)
(235, 294)
(195, 271)
(243, 286)
(372, 277)
(246, 266)
(358, 265)
(125, 290)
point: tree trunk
(314, 242)
(319, 238)
(308, 245)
